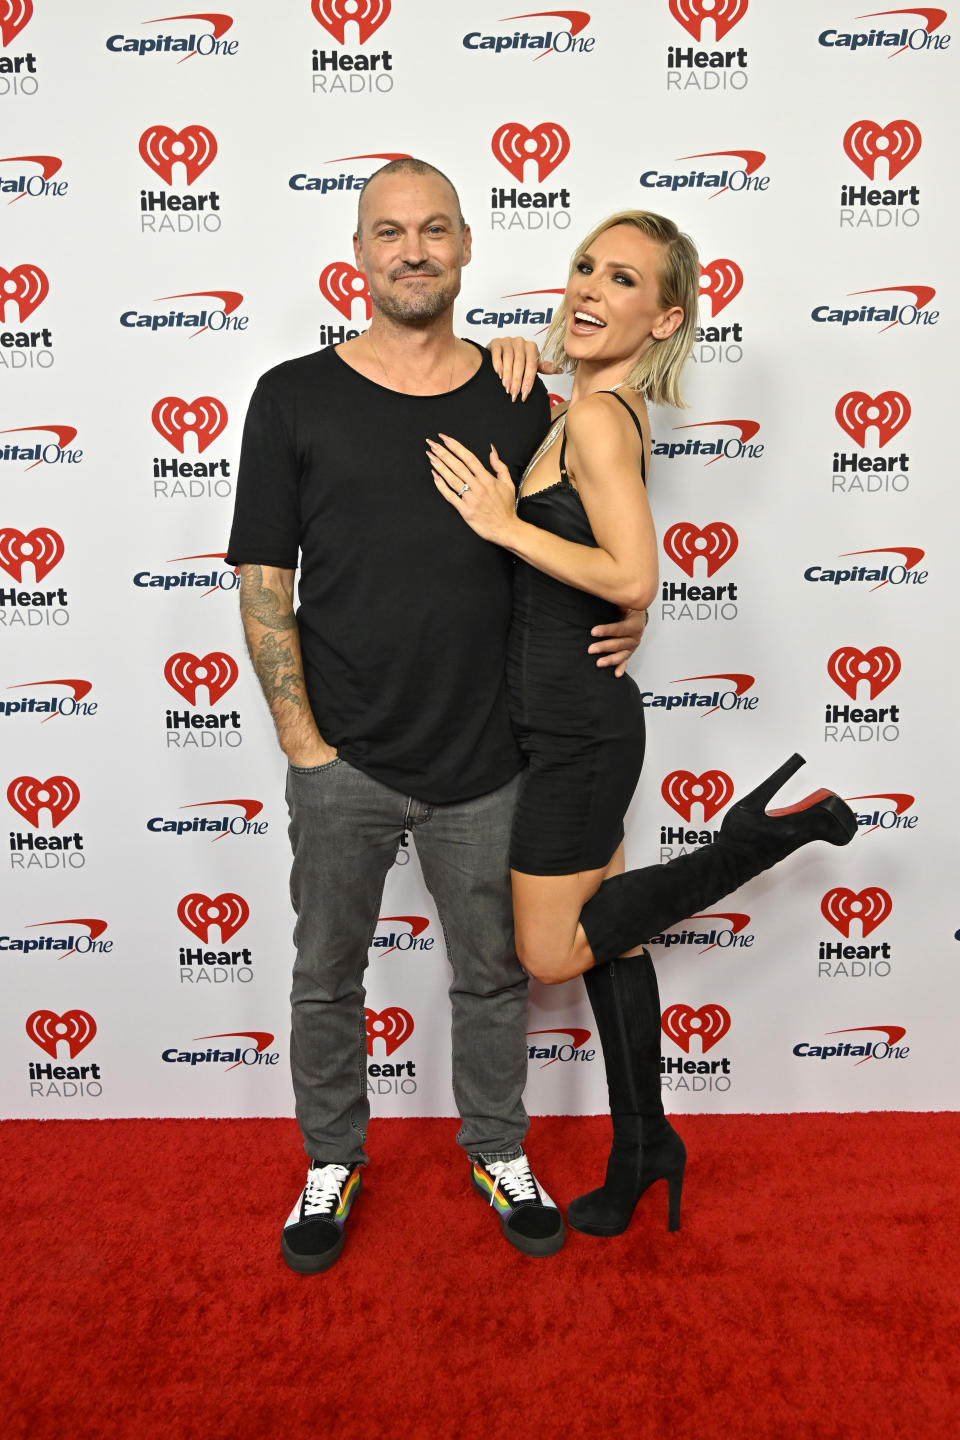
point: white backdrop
(176, 218)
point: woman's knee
(543, 963)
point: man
(387, 691)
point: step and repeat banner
(178, 196)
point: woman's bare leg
(551, 943)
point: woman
(582, 530)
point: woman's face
(613, 307)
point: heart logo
(856, 412)
(29, 796)
(341, 283)
(76, 1027)
(367, 15)
(14, 15)
(513, 145)
(692, 13)
(720, 282)
(194, 147)
(681, 1022)
(682, 790)
(866, 142)
(841, 906)
(174, 419)
(715, 543)
(42, 547)
(848, 666)
(26, 285)
(186, 673)
(393, 1026)
(228, 912)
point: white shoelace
(514, 1178)
(324, 1189)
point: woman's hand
(516, 361)
(487, 502)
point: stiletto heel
(674, 1189)
(757, 799)
(773, 834)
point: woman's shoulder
(606, 412)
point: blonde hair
(656, 374)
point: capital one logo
(547, 144)
(174, 419)
(866, 142)
(194, 147)
(848, 666)
(342, 283)
(335, 15)
(720, 282)
(74, 1027)
(185, 673)
(682, 790)
(43, 548)
(692, 13)
(565, 1051)
(393, 1026)
(25, 286)
(48, 166)
(841, 907)
(715, 544)
(856, 412)
(14, 15)
(58, 795)
(199, 913)
(681, 1022)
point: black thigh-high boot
(629, 909)
(626, 1006)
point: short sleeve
(266, 515)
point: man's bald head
(407, 165)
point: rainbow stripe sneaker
(313, 1236)
(528, 1217)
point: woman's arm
(603, 452)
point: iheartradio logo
(342, 283)
(186, 673)
(547, 143)
(75, 1027)
(715, 544)
(28, 796)
(692, 13)
(681, 1022)
(720, 282)
(856, 412)
(866, 142)
(174, 419)
(42, 547)
(25, 286)
(841, 907)
(682, 790)
(14, 15)
(393, 1026)
(199, 913)
(194, 147)
(335, 15)
(848, 666)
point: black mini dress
(580, 728)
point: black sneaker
(313, 1236)
(528, 1217)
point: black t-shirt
(404, 611)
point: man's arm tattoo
(271, 610)
(277, 671)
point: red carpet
(812, 1290)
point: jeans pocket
(315, 769)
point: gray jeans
(345, 829)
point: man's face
(410, 245)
